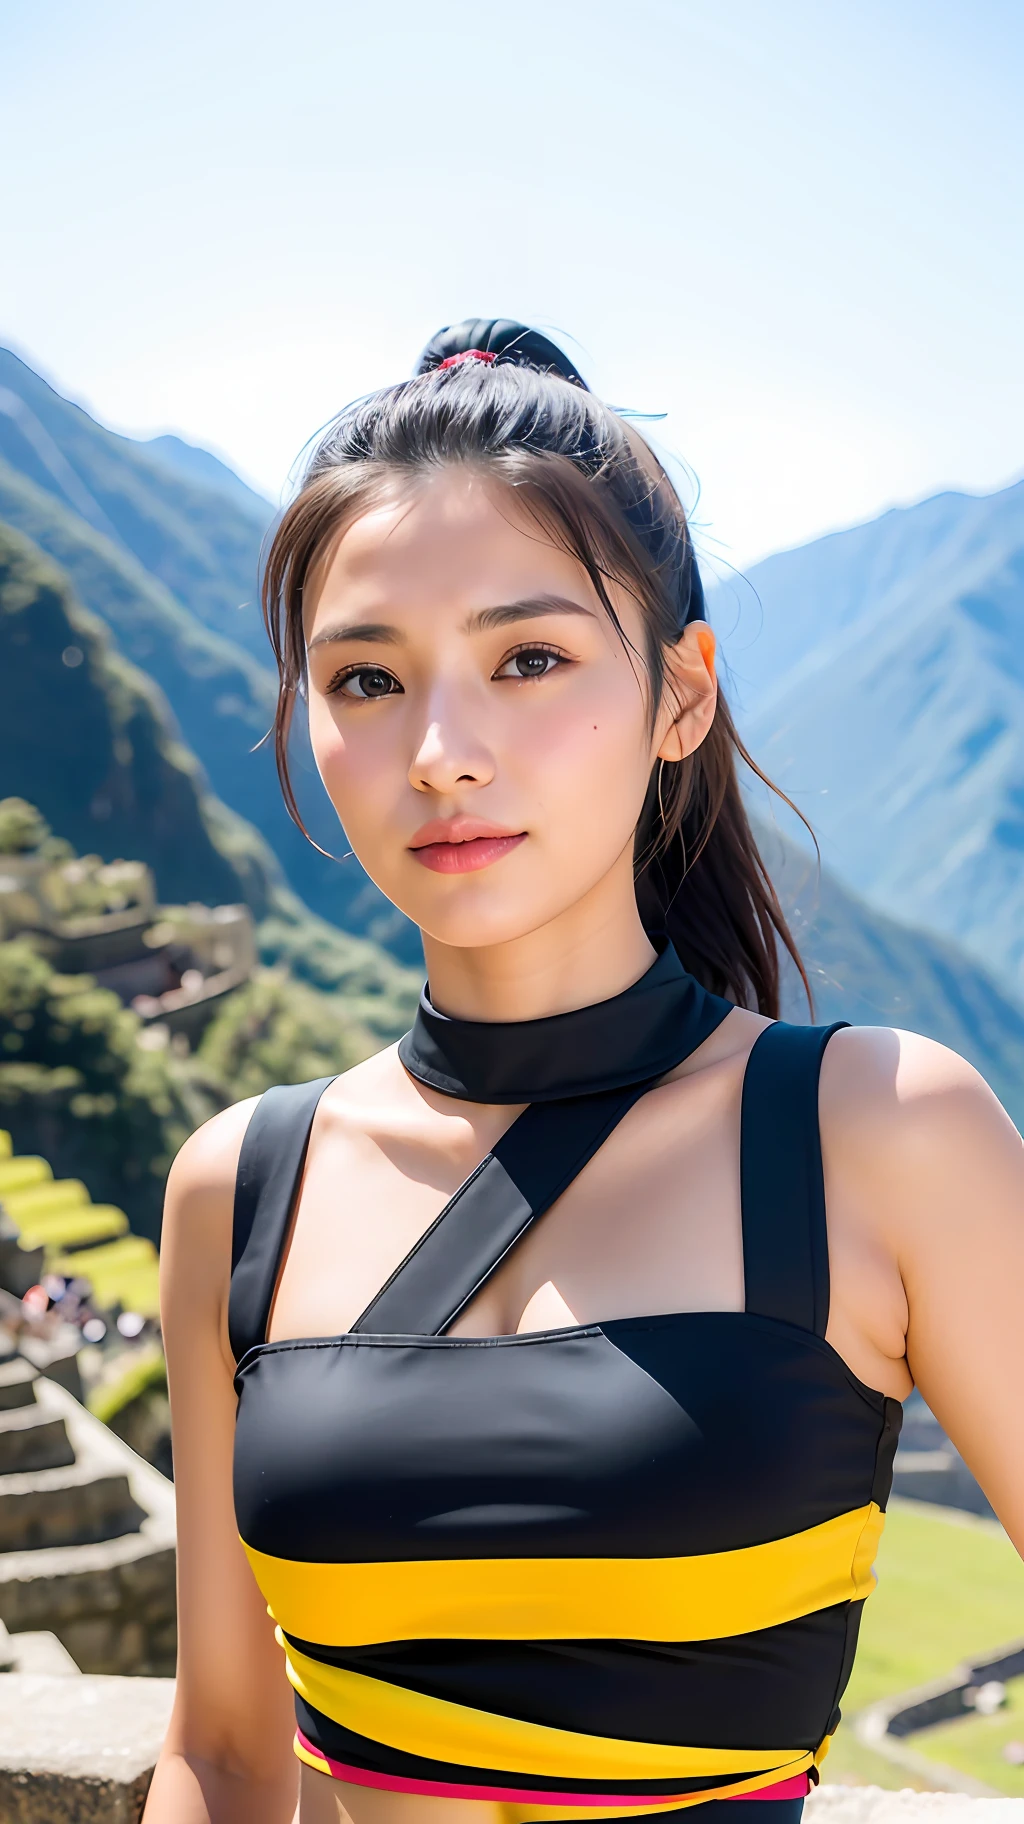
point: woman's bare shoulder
(201, 1181)
(903, 1089)
(915, 1132)
(885, 1093)
(207, 1163)
(195, 1241)
(893, 1104)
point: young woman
(561, 1504)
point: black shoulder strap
(531, 1165)
(782, 1186)
(269, 1168)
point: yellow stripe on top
(434, 1729)
(705, 1597)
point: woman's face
(476, 720)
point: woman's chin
(483, 908)
(477, 933)
(474, 919)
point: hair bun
(506, 341)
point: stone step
(38, 1652)
(55, 1355)
(111, 1603)
(79, 1750)
(17, 1384)
(72, 1506)
(32, 1438)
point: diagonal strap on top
(535, 1160)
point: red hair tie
(468, 354)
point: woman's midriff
(328, 1801)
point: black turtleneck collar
(637, 1035)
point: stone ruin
(87, 1540)
(87, 1603)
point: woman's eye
(364, 685)
(529, 662)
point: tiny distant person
(536, 1383)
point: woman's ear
(691, 693)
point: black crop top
(603, 1571)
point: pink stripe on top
(795, 1788)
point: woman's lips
(466, 856)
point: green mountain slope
(162, 541)
(200, 465)
(222, 700)
(201, 543)
(86, 736)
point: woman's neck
(589, 953)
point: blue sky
(795, 228)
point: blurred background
(790, 237)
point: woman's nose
(450, 754)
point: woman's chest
(652, 1223)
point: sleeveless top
(609, 1570)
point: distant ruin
(173, 965)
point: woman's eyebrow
(485, 619)
(377, 632)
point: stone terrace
(86, 1532)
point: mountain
(879, 675)
(221, 696)
(201, 465)
(87, 737)
(880, 672)
(201, 542)
(876, 971)
(84, 735)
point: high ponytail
(504, 397)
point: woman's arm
(935, 1169)
(227, 1758)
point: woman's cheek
(598, 756)
(351, 775)
(328, 744)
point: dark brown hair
(525, 418)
